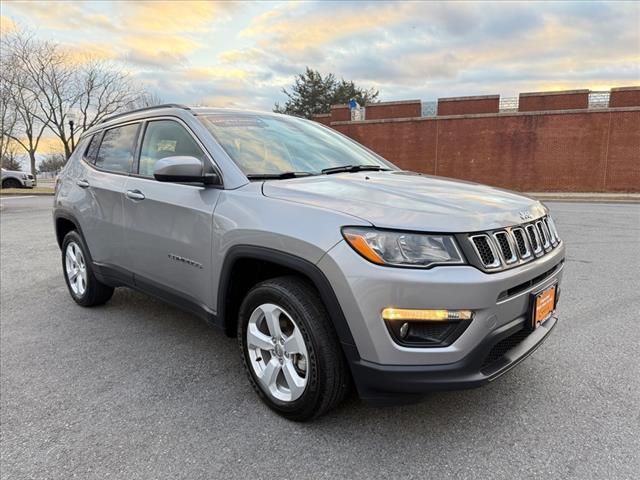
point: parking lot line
(16, 198)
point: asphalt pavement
(137, 389)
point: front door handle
(82, 183)
(135, 195)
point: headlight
(403, 249)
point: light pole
(71, 116)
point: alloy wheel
(277, 352)
(76, 269)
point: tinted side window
(92, 150)
(117, 149)
(166, 138)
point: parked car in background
(329, 264)
(17, 179)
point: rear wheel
(290, 350)
(83, 286)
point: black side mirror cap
(183, 169)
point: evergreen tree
(312, 93)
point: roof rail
(144, 109)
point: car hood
(406, 200)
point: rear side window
(92, 150)
(118, 148)
(166, 138)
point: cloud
(159, 50)
(205, 73)
(169, 17)
(243, 54)
(6, 25)
(83, 51)
(61, 15)
(288, 31)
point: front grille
(512, 246)
(528, 284)
(502, 347)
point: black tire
(11, 183)
(327, 374)
(95, 293)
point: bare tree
(8, 117)
(53, 84)
(10, 160)
(53, 162)
(42, 86)
(92, 89)
(26, 121)
(102, 91)
(146, 99)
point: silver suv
(330, 265)
(17, 179)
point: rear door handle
(82, 183)
(135, 195)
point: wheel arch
(230, 292)
(64, 223)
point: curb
(27, 194)
(586, 197)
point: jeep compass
(332, 266)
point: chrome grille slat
(486, 251)
(544, 235)
(534, 240)
(505, 246)
(552, 229)
(520, 238)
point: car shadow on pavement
(196, 359)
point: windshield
(272, 145)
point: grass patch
(27, 191)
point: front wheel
(83, 285)
(291, 352)
(11, 183)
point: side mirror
(183, 169)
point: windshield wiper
(353, 168)
(277, 176)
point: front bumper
(500, 301)
(498, 353)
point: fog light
(391, 313)
(404, 329)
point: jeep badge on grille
(524, 215)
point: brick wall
(404, 109)
(467, 105)
(565, 151)
(544, 101)
(625, 97)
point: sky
(242, 54)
